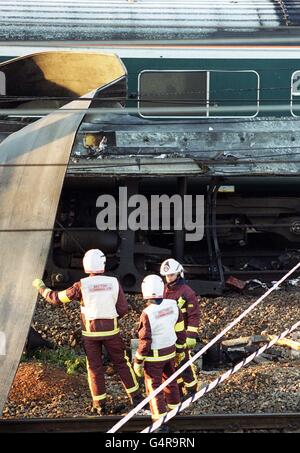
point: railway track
(286, 422)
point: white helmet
(94, 261)
(171, 266)
(153, 287)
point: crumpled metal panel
(257, 146)
(33, 161)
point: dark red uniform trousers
(155, 373)
(188, 378)
(117, 354)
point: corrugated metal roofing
(140, 19)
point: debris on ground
(42, 390)
(257, 388)
(286, 342)
(236, 283)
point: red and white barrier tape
(198, 354)
(217, 381)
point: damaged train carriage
(217, 118)
(224, 129)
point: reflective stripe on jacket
(187, 302)
(103, 328)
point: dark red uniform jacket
(145, 339)
(106, 326)
(188, 303)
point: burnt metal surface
(145, 19)
(185, 156)
(259, 146)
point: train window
(233, 93)
(198, 93)
(295, 94)
(173, 93)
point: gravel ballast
(44, 390)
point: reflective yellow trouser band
(190, 384)
(195, 381)
(136, 385)
(153, 403)
(95, 397)
(99, 397)
(180, 346)
(172, 406)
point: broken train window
(198, 93)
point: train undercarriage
(251, 230)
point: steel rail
(217, 423)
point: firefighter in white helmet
(177, 288)
(102, 302)
(161, 337)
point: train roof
(61, 20)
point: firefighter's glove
(38, 283)
(191, 342)
(179, 358)
(138, 369)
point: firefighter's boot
(137, 399)
(190, 392)
(99, 409)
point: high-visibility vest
(162, 319)
(100, 296)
